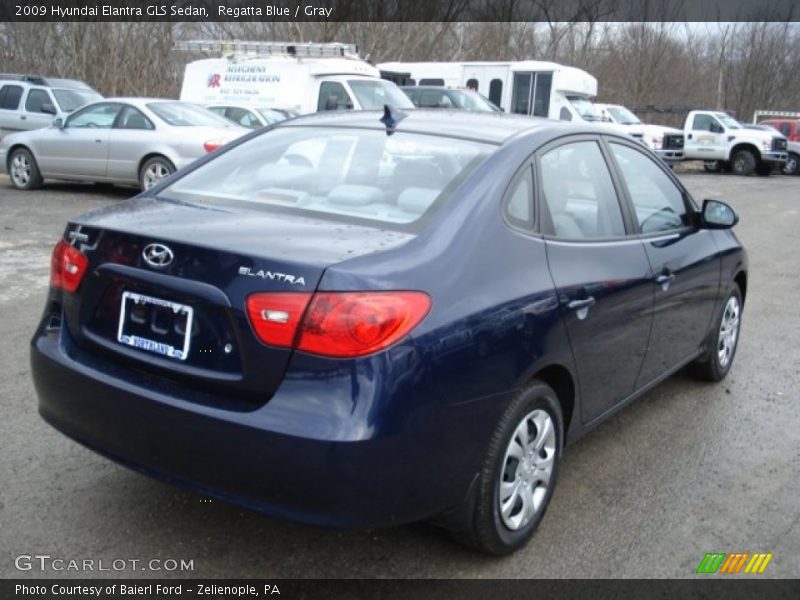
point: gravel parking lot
(688, 469)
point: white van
(527, 87)
(303, 78)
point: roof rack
(35, 79)
(239, 48)
(775, 113)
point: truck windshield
(728, 121)
(331, 173)
(184, 114)
(70, 100)
(375, 94)
(622, 115)
(587, 110)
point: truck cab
(724, 144)
(302, 78)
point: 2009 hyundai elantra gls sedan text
(367, 319)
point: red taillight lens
(212, 145)
(337, 324)
(275, 317)
(67, 267)
(348, 324)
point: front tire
(23, 170)
(792, 166)
(153, 171)
(518, 475)
(744, 162)
(716, 363)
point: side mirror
(48, 108)
(717, 215)
(58, 123)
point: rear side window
(579, 193)
(341, 173)
(35, 100)
(657, 201)
(10, 95)
(243, 117)
(132, 118)
(431, 82)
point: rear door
(601, 273)
(684, 259)
(10, 115)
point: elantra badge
(157, 255)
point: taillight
(337, 324)
(275, 317)
(67, 267)
(212, 145)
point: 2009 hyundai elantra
(367, 319)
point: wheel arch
(741, 280)
(561, 379)
(749, 146)
(17, 146)
(153, 154)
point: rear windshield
(341, 173)
(183, 114)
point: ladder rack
(245, 49)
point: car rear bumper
(342, 476)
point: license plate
(155, 325)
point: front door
(706, 139)
(602, 276)
(683, 258)
(80, 148)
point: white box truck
(527, 87)
(303, 78)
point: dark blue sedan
(367, 319)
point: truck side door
(705, 139)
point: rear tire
(518, 475)
(23, 170)
(716, 363)
(792, 166)
(744, 162)
(153, 171)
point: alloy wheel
(154, 173)
(20, 170)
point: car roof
(484, 127)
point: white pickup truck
(667, 142)
(724, 144)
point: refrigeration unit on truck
(303, 78)
(723, 144)
(527, 87)
(667, 142)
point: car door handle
(688, 136)
(22, 117)
(582, 303)
(98, 141)
(581, 307)
(665, 278)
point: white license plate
(155, 325)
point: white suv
(32, 102)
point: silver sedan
(135, 141)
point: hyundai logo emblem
(157, 255)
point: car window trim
(688, 201)
(88, 107)
(533, 220)
(544, 212)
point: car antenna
(391, 117)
